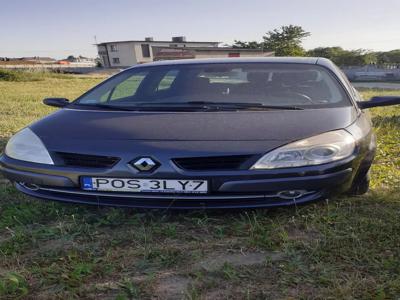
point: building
(123, 54)
(165, 53)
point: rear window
(304, 85)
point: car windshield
(239, 85)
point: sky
(58, 28)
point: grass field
(344, 248)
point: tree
(331, 53)
(247, 45)
(341, 57)
(286, 41)
(71, 58)
(389, 57)
(370, 57)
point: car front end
(231, 173)
(109, 147)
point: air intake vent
(89, 161)
(233, 162)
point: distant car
(227, 133)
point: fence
(372, 73)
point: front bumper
(238, 189)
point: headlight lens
(27, 146)
(316, 150)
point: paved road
(377, 85)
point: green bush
(26, 76)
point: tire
(360, 187)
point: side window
(167, 80)
(126, 88)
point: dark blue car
(201, 134)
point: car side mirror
(56, 102)
(379, 101)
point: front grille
(84, 160)
(232, 162)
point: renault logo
(145, 164)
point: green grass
(344, 248)
(28, 76)
(20, 101)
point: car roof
(291, 60)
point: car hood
(282, 125)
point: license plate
(144, 185)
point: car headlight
(316, 150)
(27, 146)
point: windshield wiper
(191, 105)
(211, 105)
(108, 106)
(244, 105)
(146, 107)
